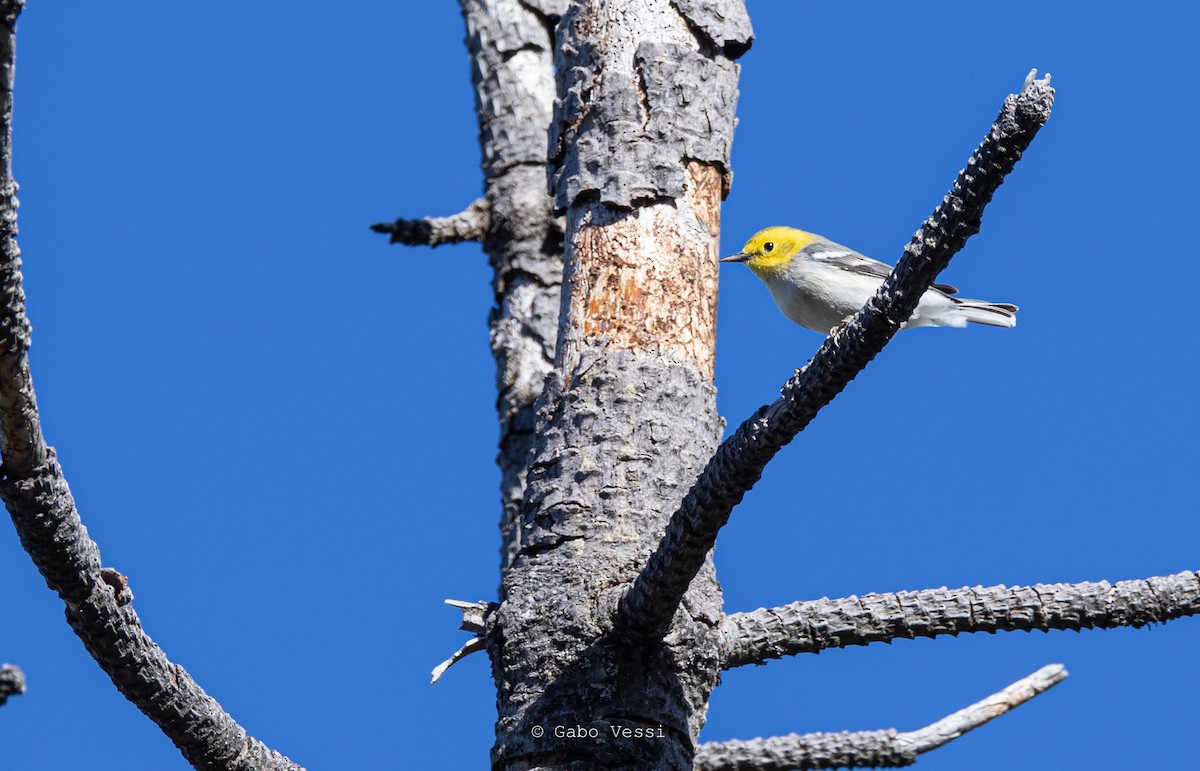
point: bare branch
(474, 645)
(870, 749)
(98, 601)
(475, 616)
(739, 461)
(848, 749)
(470, 224)
(953, 726)
(12, 682)
(812, 626)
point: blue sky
(282, 430)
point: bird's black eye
(769, 246)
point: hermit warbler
(819, 284)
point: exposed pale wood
(871, 749)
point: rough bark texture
(592, 674)
(511, 45)
(471, 224)
(809, 627)
(615, 448)
(98, 600)
(628, 125)
(859, 749)
(628, 417)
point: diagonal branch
(813, 626)
(871, 749)
(470, 224)
(98, 602)
(739, 462)
(969, 718)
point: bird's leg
(841, 325)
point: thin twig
(474, 645)
(470, 224)
(99, 603)
(968, 719)
(814, 625)
(474, 620)
(647, 608)
(870, 749)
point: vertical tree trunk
(512, 56)
(640, 149)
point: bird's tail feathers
(991, 314)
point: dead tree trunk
(640, 145)
(609, 634)
(606, 127)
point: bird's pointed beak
(739, 257)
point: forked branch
(647, 608)
(812, 626)
(870, 749)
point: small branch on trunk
(475, 616)
(812, 626)
(470, 224)
(12, 682)
(474, 645)
(738, 463)
(870, 749)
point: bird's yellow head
(769, 250)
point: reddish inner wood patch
(647, 279)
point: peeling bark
(647, 280)
(628, 417)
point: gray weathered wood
(470, 224)
(619, 359)
(739, 462)
(871, 749)
(629, 416)
(511, 47)
(812, 626)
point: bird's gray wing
(853, 262)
